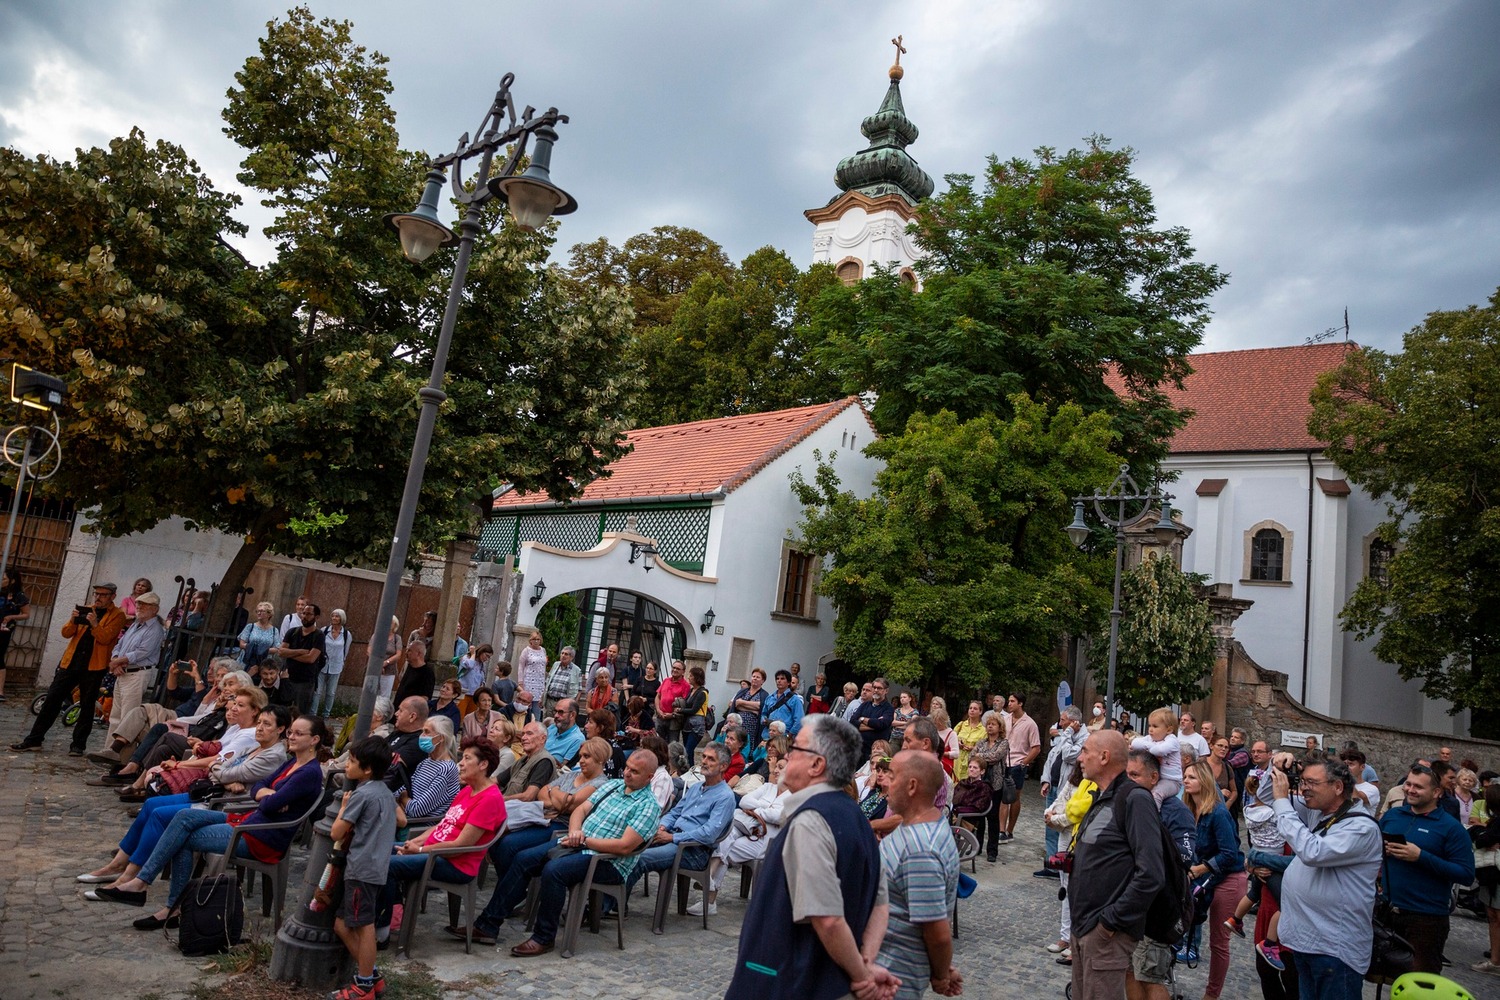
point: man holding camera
(91, 633)
(1328, 892)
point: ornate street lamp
(708, 620)
(1122, 506)
(537, 592)
(305, 946)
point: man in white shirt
(293, 620)
(1188, 734)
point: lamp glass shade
(420, 239)
(1166, 529)
(1078, 531)
(531, 203)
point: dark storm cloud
(1325, 155)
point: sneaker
(1058, 948)
(353, 991)
(379, 983)
(1236, 925)
(696, 909)
(24, 745)
(1486, 966)
(1271, 952)
(75, 751)
(1188, 957)
(1044, 873)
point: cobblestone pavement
(53, 943)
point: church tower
(881, 184)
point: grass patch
(242, 972)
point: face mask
(1098, 712)
(425, 742)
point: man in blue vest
(819, 911)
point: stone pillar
(493, 595)
(1225, 609)
(455, 572)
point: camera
(1293, 772)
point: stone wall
(1257, 700)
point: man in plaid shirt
(617, 820)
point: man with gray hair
(564, 680)
(819, 909)
(1067, 739)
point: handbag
(561, 850)
(1008, 791)
(1487, 867)
(213, 915)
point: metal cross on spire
(900, 49)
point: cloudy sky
(1327, 155)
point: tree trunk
(254, 545)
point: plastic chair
(747, 877)
(968, 850)
(274, 875)
(958, 818)
(682, 877)
(460, 894)
(589, 893)
(1426, 986)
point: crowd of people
(541, 763)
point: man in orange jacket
(90, 637)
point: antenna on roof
(1330, 333)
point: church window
(1267, 551)
(1378, 561)
(849, 271)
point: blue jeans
(513, 881)
(1053, 836)
(560, 875)
(328, 687)
(692, 735)
(204, 830)
(408, 868)
(1323, 977)
(659, 859)
(148, 826)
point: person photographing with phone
(91, 632)
(1427, 851)
(1328, 891)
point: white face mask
(1098, 711)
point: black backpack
(213, 915)
(1172, 913)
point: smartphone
(82, 610)
(1393, 838)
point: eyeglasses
(796, 749)
(1311, 783)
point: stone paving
(53, 943)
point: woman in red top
(478, 810)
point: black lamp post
(306, 948)
(532, 199)
(537, 592)
(1121, 498)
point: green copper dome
(885, 167)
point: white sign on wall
(1294, 738)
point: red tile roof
(699, 458)
(1255, 400)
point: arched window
(909, 278)
(849, 270)
(1378, 557)
(1267, 556)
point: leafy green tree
(1418, 431)
(656, 268)
(1166, 638)
(278, 404)
(1048, 282)
(957, 571)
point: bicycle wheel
(70, 714)
(37, 702)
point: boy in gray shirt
(366, 826)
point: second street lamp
(532, 198)
(1122, 505)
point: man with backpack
(1119, 870)
(1151, 964)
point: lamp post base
(307, 950)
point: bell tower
(881, 185)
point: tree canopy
(1166, 646)
(279, 403)
(1418, 430)
(712, 339)
(1048, 282)
(957, 571)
